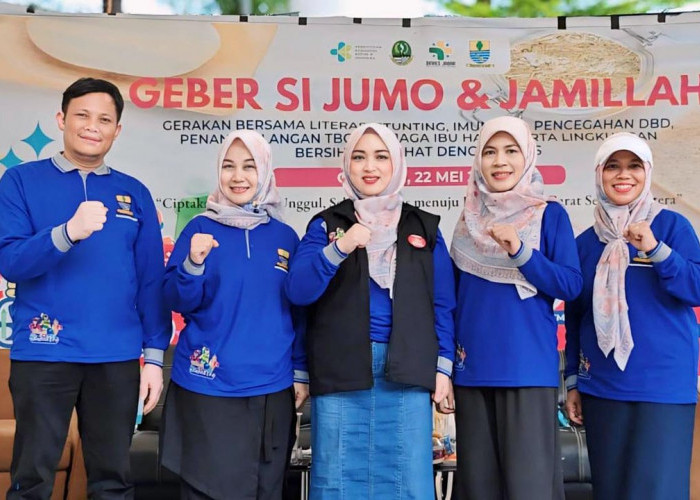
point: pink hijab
(380, 213)
(473, 250)
(266, 200)
(610, 316)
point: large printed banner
(305, 83)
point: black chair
(574, 451)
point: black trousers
(508, 443)
(44, 394)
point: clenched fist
(506, 236)
(641, 236)
(88, 218)
(357, 236)
(200, 246)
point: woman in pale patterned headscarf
(238, 369)
(515, 254)
(632, 335)
(378, 281)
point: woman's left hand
(641, 236)
(443, 395)
(301, 394)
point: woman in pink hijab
(377, 279)
(632, 335)
(515, 254)
(239, 366)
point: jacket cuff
(301, 376)
(60, 239)
(523, 255)
(444, 365)
(333, 254)
(153, 356)
(571, 382)
(660, 253)
(192, 268)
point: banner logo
(342, 51)
(440, 53)
(479, 51)
(401, 53)
(440, 50)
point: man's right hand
(88, 218)
(357, 236)
(200, 246)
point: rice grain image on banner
(570, 56)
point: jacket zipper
(83, 177)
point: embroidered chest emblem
(44, 331)
(124, 202)
(282, 260)
(203, 363)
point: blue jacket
(661, 292)
(504, 341)
(94, 301)
(239, 339)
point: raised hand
(506, 236)
(200, 246)
(641, 236)
(355, 237)
(88, 218)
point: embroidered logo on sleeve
(44, 331)
(203, 364)
(461, 358)
(282, 260)
(584, 365)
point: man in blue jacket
(82, 242)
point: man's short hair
(84, 86)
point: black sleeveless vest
(338, 342)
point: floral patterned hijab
(473, 250)
(610, 316)
(380, 213)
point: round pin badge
(416, 241)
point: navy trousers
(639, 450)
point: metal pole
(111, 6)
(246, 7)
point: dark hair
(84, 86)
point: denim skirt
(372, 444)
